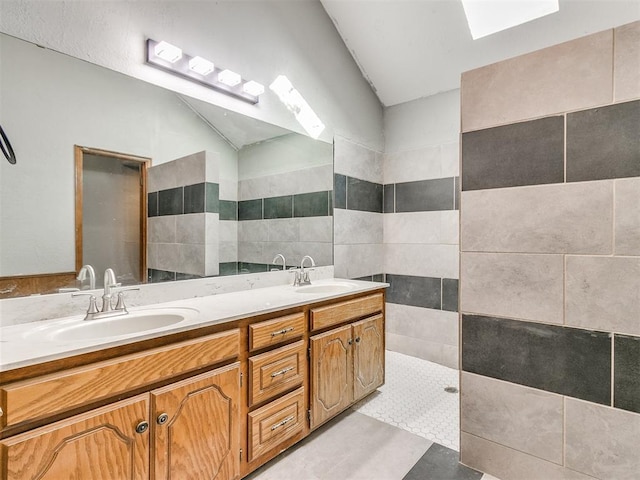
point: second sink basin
(133, 322)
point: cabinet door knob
(162, 419)
(358, 339)
(351, 341)
(142, 427)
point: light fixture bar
(202, 71)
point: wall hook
(7, 149)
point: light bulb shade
(201, 65)
(253, 88)
(167, 57)
(168, 52)
(229, 78)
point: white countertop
(19, 347)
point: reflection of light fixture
(253, 88)
(200, 65)
(296, 103)
(229, 78)
(168, 52)
(170, 58)
(486, 17)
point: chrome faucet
(109, 283)
(107, 310)
(284, 262)
(302, 276)
(82, 275)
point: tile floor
(413, 398)
(395, 434)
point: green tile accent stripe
(228, 210)
(626, 371)
(525, 153)
(604, 142)
(313, 204)
(426, 292)
(569, 361)
(196, 198)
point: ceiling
(408, 49)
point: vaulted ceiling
(408, 49)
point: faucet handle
(120, 304)
(296, 271)
(93, 307)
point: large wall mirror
(225, 194)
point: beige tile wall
(566, 254)
(522, 286)
(569, 76)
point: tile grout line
(564, 147)
(564, 431)
(613, 369)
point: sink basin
(327, 288)
(133, 322)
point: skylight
(486, 17)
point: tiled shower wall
(420, 224)
(285, 192)
(358, 211)
(550, 262)
(396, 219)
(183, 218)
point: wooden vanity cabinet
(99, 445)
(196, 428)
(347, 363)
(214, 405)
(186, 430)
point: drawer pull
(281, 372)
(282, 423)
(284, 331)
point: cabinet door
(99, 445)
(331, 374)
(368, 356)
(196, 427)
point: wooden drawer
(274, 372)
(47, 395)
(276, 422)
(276, 331)
(323, 317)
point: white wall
(287, 153)
(258, 39)
(425, 122)
(127, 116)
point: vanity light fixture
(170, 58)
(296, 103)
(229, 78)
(201, 65)
(253, 88)
(168, 52)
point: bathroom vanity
(213, 397)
